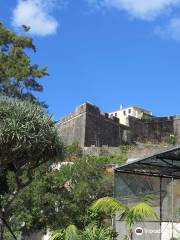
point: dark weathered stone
(88, 126)
(72, 127)
(153, 130)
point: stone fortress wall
(90, 127)
(155, 130)
(72, 127)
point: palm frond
(58, 235)
(71, 233)
(148, 199)
(93, 232)
(108, 205)
(139, 212)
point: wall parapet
(89, 126)
(87, 108)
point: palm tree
(136, 213)
(70, 233)
(110, 206)
(94, 232)
(91, 232)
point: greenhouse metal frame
(157, 175)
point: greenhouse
(158, 176)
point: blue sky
(108, 52)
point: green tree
(136, 213)
(18, 76)
(28, 138)
(58, 198)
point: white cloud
(148, 10)
(143, 9)
(36, 14)
(171, 30)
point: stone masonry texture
(88, 126)
(155, 130)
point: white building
(123, 113)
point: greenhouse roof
(163, 164)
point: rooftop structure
(124, 113)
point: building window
(129, 111)
(115, 114)
(124, 113)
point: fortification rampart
(155, 130)
(72, 127)
(102, 130)
(91, 109)
(89, 126)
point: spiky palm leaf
(138, 213)
(108, 205)
(93, 232)
(141, 210)
(27, 134)
(71, 233)
(58, 235)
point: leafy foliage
(28, 138)
(70, 233)
(94, 232)
(73, 152)
(58, 235)
(58, 198)
(18, 76)
(108, 206)
(27, 134)
(136, 213)
(139, 212)
(172, 139)
(90, 232)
